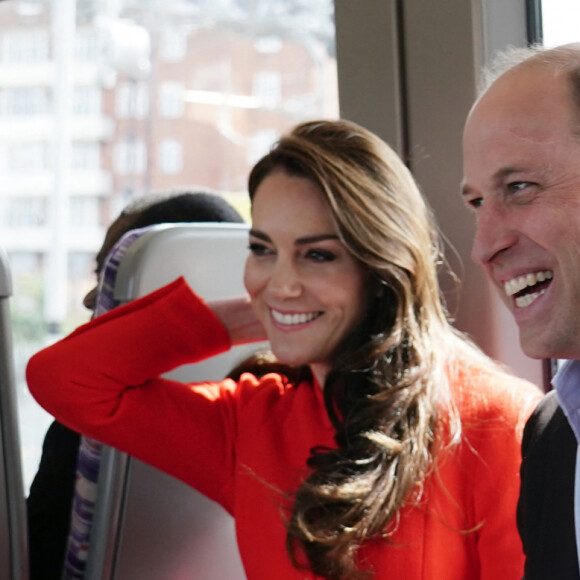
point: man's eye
(517, 186)
(475, 202)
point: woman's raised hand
(237, 315)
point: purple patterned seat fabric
(90, 451)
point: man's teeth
(527, 299)
(516, 285)
(299, 318)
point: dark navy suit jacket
(546, 505)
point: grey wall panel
(447, 42)
(428, 55)
(440, 61)
(367, 51)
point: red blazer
(245, 444)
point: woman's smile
(292, 320)
(307, 289)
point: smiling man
(522, 180)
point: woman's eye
(321, 255)
(258, 249)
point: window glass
(267, 86)
(560, 20)
(23, 211)
(86, 46)
(24, 46)
(26, 157)
(170, 156)
(131, 100)
(85, 156)
(84, 212)
(25, 101)
(161, 94)
(86, 101)
(129, 157)
(171, 99)
(173, 45)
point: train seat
(143, 523)
(13, 537)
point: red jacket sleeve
(104, 381)
(495, 410)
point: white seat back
(147, 524)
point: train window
(560, 21)
(101, 102)
(559, 26)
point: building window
(26, 157)
(170, 156)
(23, 211)
(85, 156)
(132, 100)
(81, 265)
(213, 76)
(267, 86)
(86, 101)
(130, 157)
(25, 47)
(86, 46)
(171, 100)
(83, 212)
(260, 143)
(24, 101)
(268, 44)
(25, 263)
(173, 45)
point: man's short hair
(561, 58)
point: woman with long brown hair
(383, 445)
